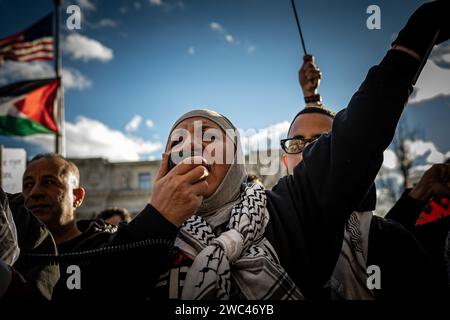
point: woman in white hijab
(224, 240)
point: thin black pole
(425, 58)
(298, 26)
(59, 136)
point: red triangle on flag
(38, 105)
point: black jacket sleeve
(342, 166)
(149, 224)
(406, 210)
(309, 209)
(33, 238)
(136, 272)
(406, 269)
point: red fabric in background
(436, 209)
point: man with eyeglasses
(368, 240)
(311, 122)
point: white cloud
(86, 5)
(166, 6)
(92, 138)
(265, 138)
(191, 51)
(216, 26)
(134, 124)
(107, 23)
(435, 77)
(149, 123)
(44, 141)
(156, 2)
(441, 56)
(421, 153)
(229, 38)
(84, 48)
(137, 5)
(389, 159)
(89, 138)
(421, 148)
(73, 79)
(14, 71)
(123, 10)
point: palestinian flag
(27, 107)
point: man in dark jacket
(369, 240)
(27, 281)
(432, 235)
(90, 253)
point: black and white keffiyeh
(225, 238)
(240, 255)
(349, 278)
(9, 247)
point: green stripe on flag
(18, 126)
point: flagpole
(60, 135)
(298, 26)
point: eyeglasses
(296, 145)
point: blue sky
(156, 59)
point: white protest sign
(14, 161)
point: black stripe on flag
(23, 87)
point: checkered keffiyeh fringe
(239, 255)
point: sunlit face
(204, 137)
(49, 192)
(307, 126)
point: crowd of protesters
(212, 231)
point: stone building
(115, 184)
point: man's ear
(78, 197)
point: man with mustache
(52, 192)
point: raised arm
(310, 207)
(344, 164)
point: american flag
(34, 43)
